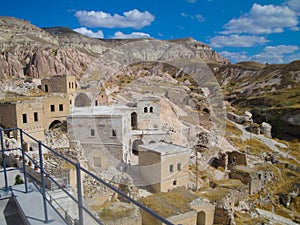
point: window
(92, 132)
(96, 102)
(70, 102)
(145, 110)
(151, 109)
(46, 88)
(72, 85)
(174, 182)
(24, 118)
(52, 108)
(171, 168)
(69, 84)
(114, 133)
(61, 107)
(35, 116)
(179, 166)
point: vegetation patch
(170, 203)
(232, 129)
(215, 195)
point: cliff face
(26, 50)
(270, 92)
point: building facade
(164, 166)
(109, 134)
(35, 115)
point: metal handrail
(79, 169)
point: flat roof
(99, 110)
(164, 148)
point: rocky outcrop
(26, 50)
(265, 129)
(39, 62)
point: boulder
(265, 129)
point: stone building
(59, 84)
(27, 115)
(193, 210)
(110, 134)
(164, 166)
(254, 177)
(35, 115)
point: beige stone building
(35, 115)
(27, 115)
(59, 84)
(164, 166)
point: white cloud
(90, 33)
(184, 14)
(199, 17)
(263, 19)
(294, 57)
(294, 4)
(133, 18)
(235, 56)
(270, 54)
(120, 35)
(236, 41)
(275, 54)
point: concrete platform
(32, 205)
(29, 204)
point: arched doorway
(54, 124)
(135, 145)
(82, 100)
(201, 217)
(134, 121)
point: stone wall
(148, 113)
(60, 103)
(59, 84)
(156, 169)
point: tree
(18, 180)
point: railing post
(43, 182)
(23, 156)
(3, 159)
(79, 193)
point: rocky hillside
(27, 50)
(270, 92)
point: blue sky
(241, 30)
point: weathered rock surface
(26, 50)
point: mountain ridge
(29, 51)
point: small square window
(179, 166)
(171, 168)
(24, 118)
(174, 182)
(61, 107)
(114, 133)
(36, 116)
(52, 108)
(92, 132)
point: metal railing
(79, 171)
